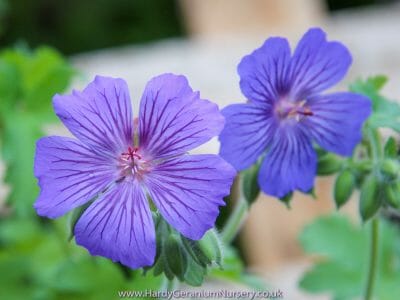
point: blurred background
(138, 39)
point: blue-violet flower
(117, 164)
(286, 113)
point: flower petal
(337, 120)
(289, 165)
(100, 116)
(119, 226)
(188, 191)
(173, 119)
(317, 64)
(69, 174)
(263, 73)
(249, 128)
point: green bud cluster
(390, 171)
(378, 179)
(183, 258)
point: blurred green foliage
(385, 112)
(38, 263)
(28, 80)
(36, 259)
(343, 265)
(75, 26)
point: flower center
(292, 110)
(132, 164)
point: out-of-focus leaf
(41, 74)
(28, 81)
(20, 134)
(343, 249)
(40, 265)
(386, 113)
(9, 85)
(233, 270)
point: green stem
(373, 259)
(374, 141)
(235, 221)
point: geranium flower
(120, 165)
(286, 113)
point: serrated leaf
(41, 74)
(385, 112)
(343, 250)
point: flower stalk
(373, 259)
(235, 220)
(376, 155)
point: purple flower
(121, 164)
(286, 113)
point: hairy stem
(235, 221)
(373, 259)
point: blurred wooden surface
(207, 18)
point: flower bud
(390, 168)
(250, 186)
(369, 200)
(329, 164)
(344, 186)
(392, 194)
(391, 148)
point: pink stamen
(131, 163)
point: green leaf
(9, 85)
(250, 186)
(330, 236)
(28, 81)
(347, 282)
(342, 249)
(41, 74)
(233, 270)
(19, 138)
(386, 113)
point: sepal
(182, 258)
